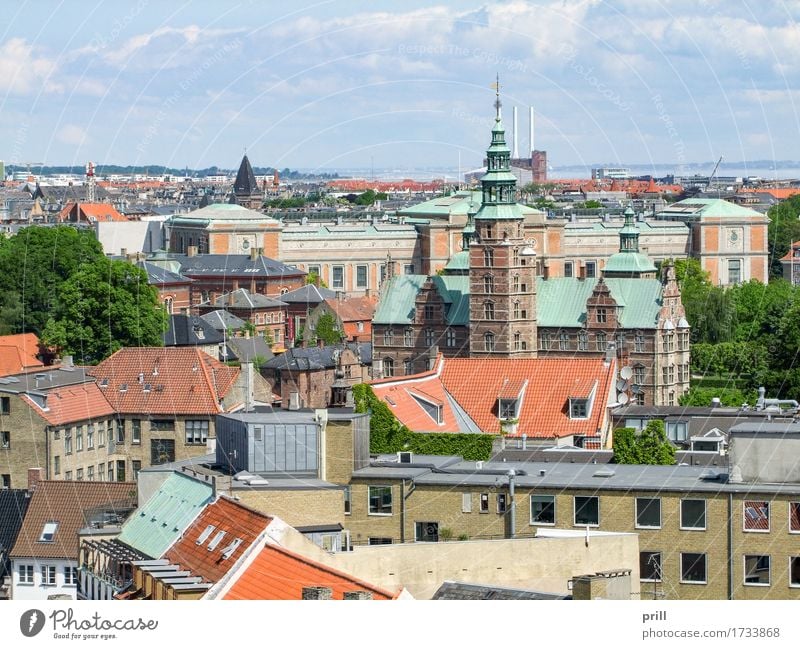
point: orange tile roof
(779, 193)
(398, 394)
(788, 256)
(66, 502)
(353, 310)
(277, 573)
(91, 212)
(476, 383)
(511, 388)
(182, 380)
(18, 353)
(237, 521)
(73, 403)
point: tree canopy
(650, 446)
(784, 227)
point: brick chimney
(35, 476)
(317, 592)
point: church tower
(245, 188)
(502, 264)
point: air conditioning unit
(405, 457)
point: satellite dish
(622, 398)
(626, 372)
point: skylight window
(228, 551)
(49, 532)
(205, 534)
(216, 540)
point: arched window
(517, 341)
(168, 304)
(388, 367)
(515, 283)
(488, 341)
(516, 310)
(488, 284)
(488, 310)
(488, 257)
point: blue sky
(349, 84)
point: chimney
(67, 361)
(247, 368)
(254, 253)
(35, 476)
(358, 594)
(317, 592)
(191, 251)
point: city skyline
(336, 85)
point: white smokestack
(531, 132)
(515, 153)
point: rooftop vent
(405, 457)
(604, 473)
(123, 387)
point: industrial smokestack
(530, 134)
(515, 153)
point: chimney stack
(253, 254)
(35, 476)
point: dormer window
(508, 408)
(432, 407)
(578, 408)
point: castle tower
(502, 266)
(245, 188)
(629, 262)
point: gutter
(730, 545)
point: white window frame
(365, 284)
(334, 284)
(796, 584)
(705, 515)
(705, 568)
(769, 517)
(26, 577)
(70, 575)
(744, 570)
(369, 499)
(793, 502)
(483, 498)
(660, 565)
(466, 502)
(48, 572)
(575, 512)
(537, 523)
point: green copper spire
(629, 234)
(498, 184)
(629, 262)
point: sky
(341, 84)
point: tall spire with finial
(497, 103)
(498, 185)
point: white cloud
(22, 71)
(72, 134)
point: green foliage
(259, 362)
(286, 203)
(589, 205)
(247, 328)
(702, 396)
(311, 278)
(327, 329)
(103, 306)
(650, 446)
(367, 198)
(784, 227)
(388, 435)
(34, 264)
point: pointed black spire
(245, 184)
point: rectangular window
(648, 512)
(136, 466)
(48, 532)
(794, 572)
(79, 439)
(466, 503)
(583, 341)
(426, 532)
(502, 503)
(90, 473)
(161, 452)
(734, 271)
(428, 312)
(68, 475)
(5, 481)
(693, 514)
(5, 439)
(677, 431)
(379, 540)
(57, 465)
(578, 408)
(591, 269)
(361, 277)
(543, 510)
(388, 337)
(196, 431)
(79, 474)
(756, 516)
(430, 337)
(5, 405)
(26, 574)
(136, 431)
(600, 341)
(70, 576)
(408, 337)
(563, 341)
(650, 566)
(567, 269)
(408, 269)
(48, 575)
(602, 316)
(794, 517)
(450, 337)
(162, 425)
(120, 470)
(90, 436)
(587, 510)
(120, 431)
(380, 500)
(756, 569)
(484, 507)
(347, 500)
(638, 343)
(338, 277)
(693, 568)
(110, 471)
(545, 340)
(315, 270)
(101, 434)
(507, 409)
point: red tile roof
(73, 403)
(277, 573)
(476, 384)
(237, 521)
(511, 388)
(779, 193)
(182, 380)
(789, 256)
(67, 503)
(353, 310)
(398, 394)
(18, 353)
(90, 212)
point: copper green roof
(454, 290)
(707, 207)
(561, 301)
(159, 522)
(500, 211)
(396, 305)
(457, 203)
(459, 261)
(629, 262)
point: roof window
(48, 532)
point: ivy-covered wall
(388, 435)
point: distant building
(790, 263)
(245, 188)
(614, 173)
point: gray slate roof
(222, 320)
(308, 294)
(189, 330)
(13, 505)
(234, 265)
(159, 275)
(461, 590)
(299, 359)
(241, 298)
(246, 349)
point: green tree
(312, 277)
(367, 198)
(34, 263)
(784, 227)
(327, 329)
(702, 396)
(650, 446)
(102, 307)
